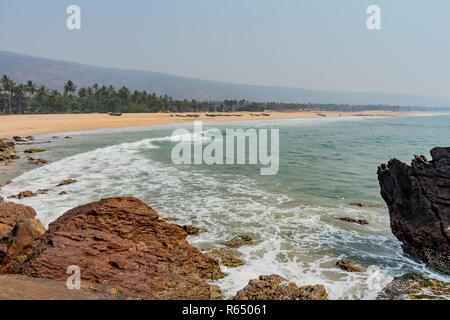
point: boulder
(348, 266)
(418, 198)
(193, 231)
(413, 286)
(227, 257)
(34, 150)
(66, 182)
(18, 230)
(122, 242)
(238, 241)
(275, 287)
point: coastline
(26, 125)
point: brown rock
(66, 182)
(418, 198)
(10, 213)
(348, 266)
(36, 160)
(238, 241)
(62, 193)
(121, 242)
(352, 220)
(26, 194)
(20, 238)
(275, 287)
(226, 257)
(193, 231)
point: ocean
(326, 166)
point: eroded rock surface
(122, 242)
(275, 287)
(418, 198)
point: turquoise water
(326, 165)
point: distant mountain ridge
(54, 73)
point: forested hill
(54, 74)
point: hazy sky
(312, 44)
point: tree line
(30, 98)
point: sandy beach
(24, 125)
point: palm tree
(42, 92)
(30, 87)
(10, 86)
(20, 91)
(70, 88)
(4, 82)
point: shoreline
(29, 125)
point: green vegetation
(29, 98)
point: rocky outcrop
(413, 286)
(227, 257)
(18, 230)
(348, 266)
(275, 287)
(238, 241)
(66, 182)
(353, 220)
(418, 198)
(122, 242)
(7, 152)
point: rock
(415, 286)
(34, 150)
(62, 193)
(352, 220)
(26, 194)
(7, 151)
(193, 231)
(67, 137)
(215, 293)
(275, 287)
(365, 205)
(18, 287)
(238, 241)
(36, 161)
(348, 266)
(66, 182)
(10, 213)
(18, 139)
(19, 238)
(18, 229)
(418, 198)
(226, 257)
(121, 242)
(42, 191)
(55, 137)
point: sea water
(326, 166)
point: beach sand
(25, 125)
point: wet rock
(66, 182)
(36, 161)
(365, 205)
(34, 150)
(348, 266)
(415, 286)
(275, 287)
(193, 231)
(353, 220)
(23, 194)
(122, 242)
(215, 293)
(226, 257)
(418, 198)
(18, 287)
(42, 191)
(7, 152)
(62, 193)
(238, 241)
(10, 213)
(67, 137)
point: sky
(320, 44)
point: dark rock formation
(418, 198)
(415, 286)
(7, 152)
(275, 287)
(34, 150)
(348, 266)
(122, 242)
(193, 231)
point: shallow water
(325, 165)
